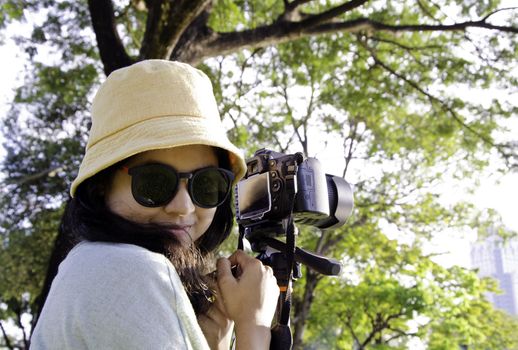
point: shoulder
(117, 294)
(117, 268)
(126, 256)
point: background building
(498, 259)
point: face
(189, 222)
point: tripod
(285, 259)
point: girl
(151, 201)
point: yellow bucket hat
(149, 105)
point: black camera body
(277, 186)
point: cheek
(131, 210)
(205, 217)
(121, 204)
(120, 201)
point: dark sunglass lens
(210, 187)
(153, 185)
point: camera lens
(341, 202)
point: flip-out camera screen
(254, 196)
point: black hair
(87, 217)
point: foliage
(378, 79)
(23, 263)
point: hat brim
(157, 133)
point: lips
(181, 232)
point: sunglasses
(155, 185)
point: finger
(239, 257)
(218, 303)
(225, 278)
(223, 266)
(244, 261)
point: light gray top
(117, 296)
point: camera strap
(281, 332)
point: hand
(216, 325)
(250, 299)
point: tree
(21, 272)
(378, 78)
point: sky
(496, 191)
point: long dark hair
(87, 217)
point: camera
(277, 186)
(277, 191)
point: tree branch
(498, 10)
(240, 85)
(305, 119)
(111, 49)
(303, 311)
(393, 316)
(348, 324)
(6, 337)
(409, 49)
(431, 97)
(370, 25)
(349, 150)
(166, 23)
(303, 139)
(37, 176)
(372, 334)
(295, 3)
(283, 31)
(399, 333)
(19, 314)
(406, 47)
(178, 30)
(426, 11)
(331, 13)
(153, 24)
(291, 10)
(439, 8)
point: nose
(181, 204)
